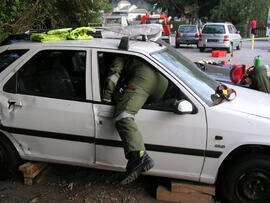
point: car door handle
(105, 114)
(14, 103)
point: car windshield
(186, 71)
(213, 29)
(187, 29)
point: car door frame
(116, 142)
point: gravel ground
(80, 185)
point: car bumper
(220, 44)
(187, 41)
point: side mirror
(238, 32)
(184, 107)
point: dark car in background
(187, 34)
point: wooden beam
(182, 186)
(182, 197)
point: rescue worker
(146, 16)
(255, 77)
(139, 83)
(253, 27)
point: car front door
(176, 142)
(47, 112)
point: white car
(52, 111)
(219, 36)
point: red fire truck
(159, 19)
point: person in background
(253, 27)
(146, 16)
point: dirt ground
(68, 184)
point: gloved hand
(106, 100)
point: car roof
(220, 23)
(187, 25)
(101, 43)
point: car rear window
(9, 56)
(213, 29)
(187, 29)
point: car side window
(166, 103)
(231, 28)
(234, 29)
(9, 56)
(52, 73)
(169, 100)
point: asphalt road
(243, 56)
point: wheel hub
(254, 186)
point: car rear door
(177, 143)
(46, 100)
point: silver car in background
(219, 35)
(187, 34)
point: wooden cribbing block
(177, 186)
(30, 170)
(182, 197)
(186, 192)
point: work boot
(136, 165)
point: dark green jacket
(260, 80)
(137, 74)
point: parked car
(187, 34)
(52, 111)
(110, 22)
(219, 36)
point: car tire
(9, 159)
(247, 180)
(201, 49)
(229, 50)
(238, 47)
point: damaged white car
(52, 111)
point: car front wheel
(239, 46)
(9, 159)
(201, 49)
(247, 181)
(229, 50)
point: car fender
(212, 166)
(18, 146)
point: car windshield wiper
(223, 92)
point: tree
(18, 16)
(205, 8)
(241, 13)
(192, 9)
